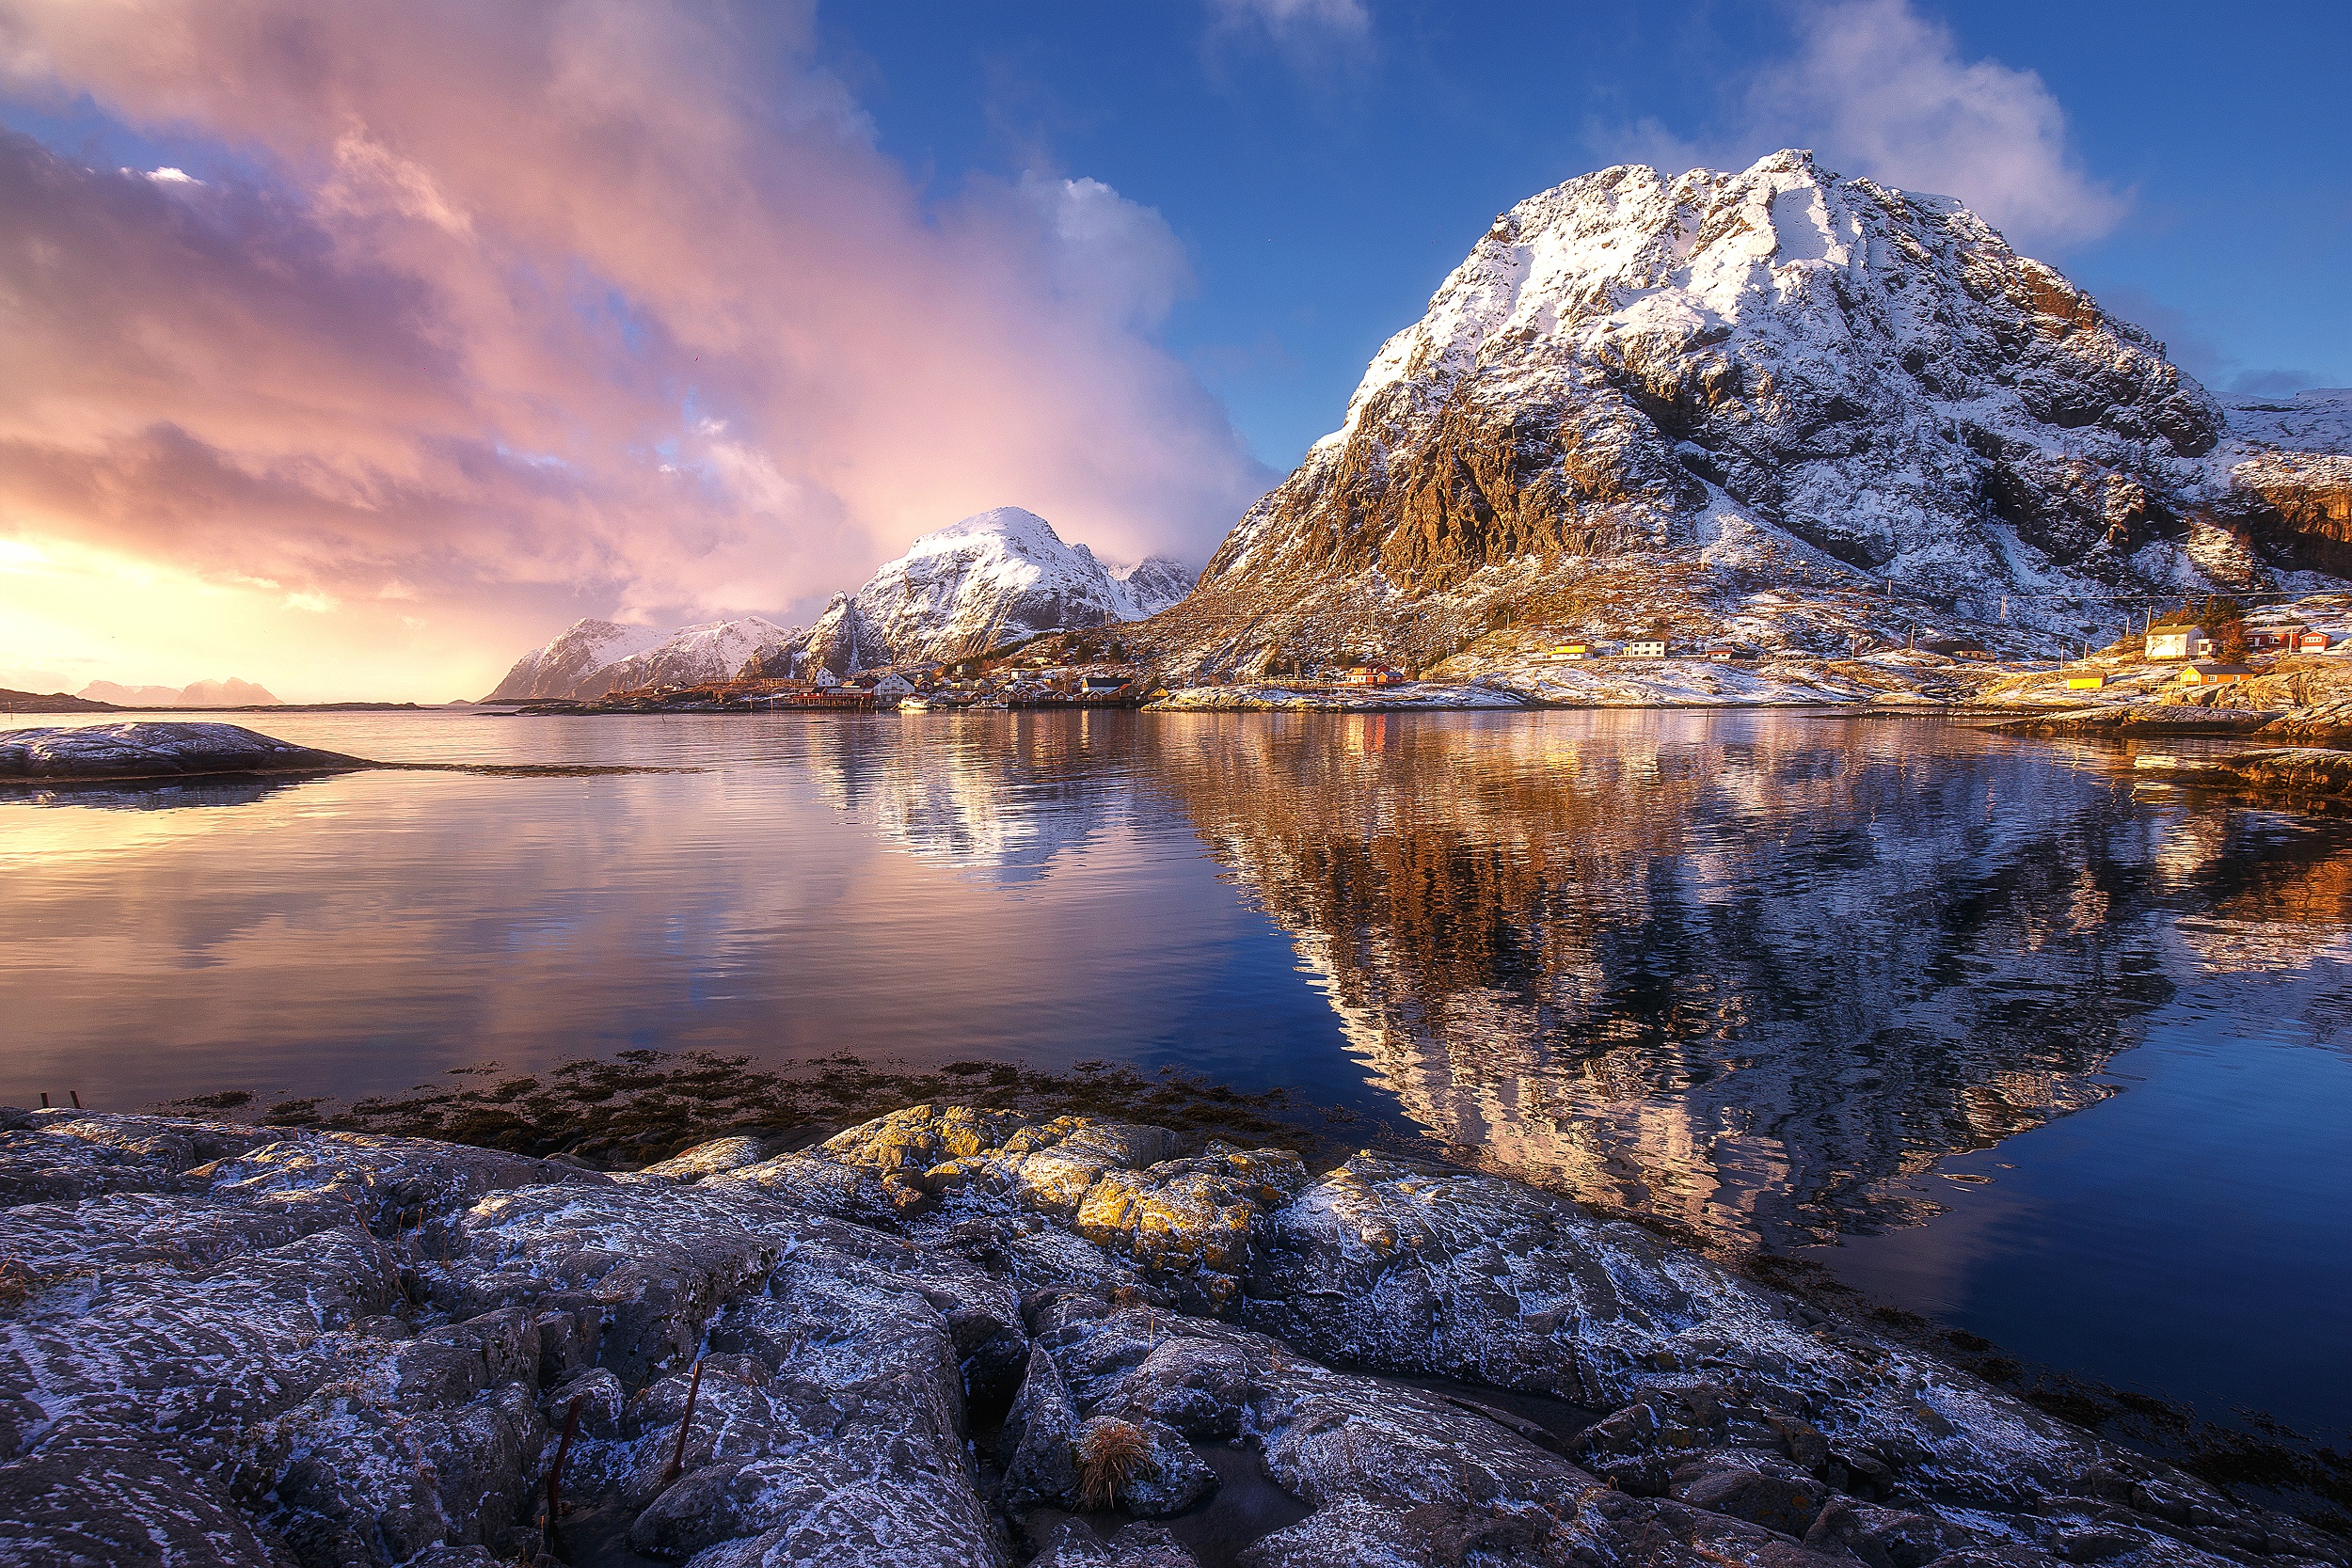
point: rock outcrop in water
(938, 1337)
(155, 751)
(1721, 403)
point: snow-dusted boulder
(155, 751)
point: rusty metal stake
(555, 1474)
(77, 1096)
(677, 1460)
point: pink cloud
(616, 303)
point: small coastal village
(2296, 651)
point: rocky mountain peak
(1691, 377)
(992, 578)
(592, 657)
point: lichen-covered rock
(1191, 1221)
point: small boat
(915, 705)
(993, 704)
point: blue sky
(1326, 171)
(353, 347)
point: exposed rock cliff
(1643, 399)
(942, 1332)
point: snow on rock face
(593, 657)
(1773, 372)
(1153, 584)
(2289, 465)
(992, 578)
(568, 666)
(710, 652)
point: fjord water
(2002, 1034)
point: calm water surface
(2010, 1037)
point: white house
(893, 685)
(2178, 643)
(825, 677)
(1647, 647)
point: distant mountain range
(225, 693)
(1779, 407)
(1737, 405)
(992, 578)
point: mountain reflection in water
(1740, 977)
(1778, 978)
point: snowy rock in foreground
(942, 1333)
(156, 750)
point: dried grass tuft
(1109, 1456)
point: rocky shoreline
(2305, 775)
(955, 1336)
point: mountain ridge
(993, 576)
(1647, 401)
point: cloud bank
(1876, 88)
(483, 316)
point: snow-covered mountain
(1151, 585)
(593, 657)
(1653, 398)
(231, 692)
(992, 578)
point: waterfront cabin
(1094, 683)
(1647, 647)
(1726, 654)
(1370, 675)
(2273, 639)
(2311, 643)
(2177, 642)
(893, 685)
(2206, 673)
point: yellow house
(2085, 683)
(1573, 650)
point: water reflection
(999, 797)
(155, 794)
(1747, 973)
